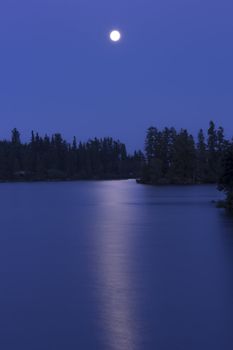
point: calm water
(114, 266)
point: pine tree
(183, 163)
(201, 171)
(15, 137)
(151, 143)
(212, 153)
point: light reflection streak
(116, 277)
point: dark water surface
(114, 266)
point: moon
(115, 35)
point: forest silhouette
(169, 157)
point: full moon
(115, 35)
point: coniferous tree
(183, 163)
(201, 171)
(151, 143)
(15, 137)
(221, 148)
(212, 153)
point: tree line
(53, 158)
(170, 157)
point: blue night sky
(59, 72)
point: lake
(114, 265)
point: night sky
(59, 72)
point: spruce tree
(212, 153)
(201, 171)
